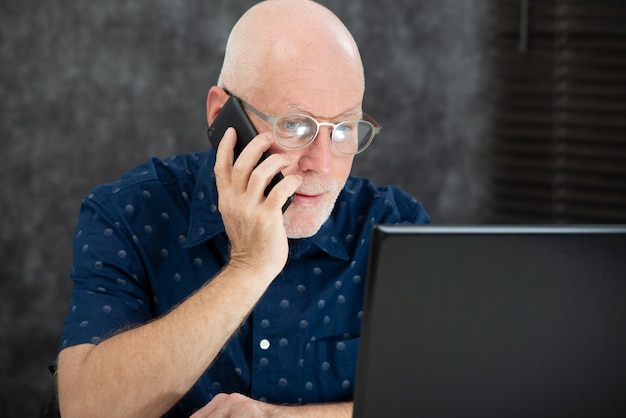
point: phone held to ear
(233, 115)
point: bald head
(291, 39)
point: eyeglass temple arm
(375, 124)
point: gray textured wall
(90, 89)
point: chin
(304, 222)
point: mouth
(314, 192)
(304, 199)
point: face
(326, 97)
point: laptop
(486, 321)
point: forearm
(334, 410)
(144, 371)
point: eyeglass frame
(271, 120)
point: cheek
(340, 165)
(341, 168)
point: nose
(319, 154)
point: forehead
(315, 75)
(326, 95)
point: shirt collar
(326, 239)
(205, 221)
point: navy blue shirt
(149, 240)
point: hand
(234, 405)
(238, 405)
(254, 223)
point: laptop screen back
(494, 322)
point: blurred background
(493, 111)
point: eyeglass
(297, 130)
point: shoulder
(175, 174)
(383, 204)
(158, 188)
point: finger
(226, 147)
(263, 174)
(209, 409)
(283, 189)
(224, 157)
(248, 160)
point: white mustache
(315, 187)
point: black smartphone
(233, 114)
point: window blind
(558, 137)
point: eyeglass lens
(297, 131)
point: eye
(291, 126)
(294, 127)
(344, 131)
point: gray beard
(319, 216)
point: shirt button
(264, 344)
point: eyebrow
(302, 109)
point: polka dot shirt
(147, 241)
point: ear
(215, 102)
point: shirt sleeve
(110, 293)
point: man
(192, 290)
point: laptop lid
(490, 321)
